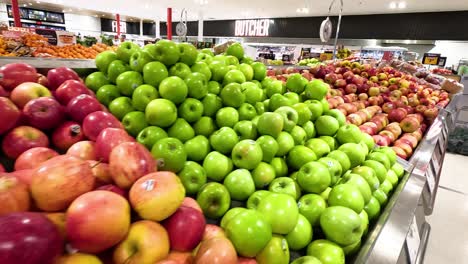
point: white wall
(3, 13)
(86, 25)
(453, 50)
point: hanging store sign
(252, 28)
(123, 26)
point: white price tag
(412, 241)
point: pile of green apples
(270, 162)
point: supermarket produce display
(171, 155)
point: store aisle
(448, 242)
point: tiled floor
(448, 241)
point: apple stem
(97, 163)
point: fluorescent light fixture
(302, 10)
(402, 5)
(392, 5)
(30, 4)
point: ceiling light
(24, 5)
(303, 10)
(402, 5)
(30, 4)
(38, 2)
(201, 2)
(393, 5)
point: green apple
(142, 95)
(326, 125)
(290, 117)
(191, 110)
(128, 81)
(314, 177)
(259, 71)
(232, 95)
(217, 166)
(115, 69)
(277, 101)
(205, 126)
(96, 80)
(218, 70)
(107, 94)
(211, 104)
(166, 52)
(247, 60)
(386, 186)
(120, 106)
(390, 154)
(252, 93)
(246, 130)
(338, 115)
(227, 117)
(103, 60)
(169, 154)
(247, 154)
(203, 68)
(315, 108)
(301, 235)
(214, 87)
(341, 225)
(280, 210)
(360, 183)
(224, 140)
(161, 112)
(181, 130)
(154, 73)
(398, 169)
(229, 215)
(235, 50)
(379, 169)
(352, 249)
(247, 112)
(326, 251)
(173, 89)
(180, 70)
(139, 59)
(274, 87)
(369, 175)
(325, 105)
(306, 260)
(355, 153)
(193, 177)
(304, 114)
(349, 134)
(275, 252)
(299, 135)
(331, 141)
(342, 158)
(188, 53)
(285, 185)
(232, 62)
(269, 147)
(134, 122)
(294, 98)
(285, 143)
(311, 206)
(296, 83)
(270, 124)
(364, 222)
(326, 193)
(368, 140)
(347, 195)
(247, 70)
(316, 89)
(206, 58)
(380, 157)
(280, 166)
(334, 167)
(150, 135)
(381, 197)
(214, 200)
(234, 76)
(319, 146)
(197, 148)
(249, 232)
(255, 198)
(300, 155)
(207, 51)
(372, 208)
(309, 128)
(197, 85)
(125, 50)
(263, 175)
(239, 184)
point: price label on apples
(413, 241)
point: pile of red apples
(393, 107)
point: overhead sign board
(431, 58)
(252, 28)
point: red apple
(84, 150)
(25, 176)
(14, 195)
(42, 80)
(405, 147)
(331, 78)
(190, 202)
(396, 115)
(108, 139)
(81, 106)
(3, 92)
(27, 91)
(67, 134)
(69, 90)
(216, 251)
(388, 134)
(176, 257)
(367, 129)
(354, 119)
(373, 100)
(59, 181)
(43, 113)
(10, 114)
(21, 139)
(388, 107)
(431, 112)
(417, 116)
(400, 152)
(2, 169)
(212, 231)
(14, 74)
(32, 158)
(113, 188)
(410, 140)
(101, 172)
(28, 238)
(59, 75)
(95, 122)
(185, 228)
(381, 140)
(130, 161)
(341, 83)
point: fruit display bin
(48, 63)
(401, 233)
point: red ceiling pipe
(16, 13)
(169, 23)
(117, 17)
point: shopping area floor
(448, 242)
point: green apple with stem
(214, 200)
(232, 95)
(255, 198)
(326, 252)
(128, 81)
(314, 177)
(301, 235)
(202, 68)
(197, 148)
(275, 252)
(285, 185)
(173, 89)
(246, 130)
(278, 100)
(217, 166)
(263, 175)
(161, 112)
(205, 126)
(120, 106)
(290, 117)
(247, 154)
(211, 104)
(227, 117)
(355, 152)
(134, 122)
(126, 49)
(346, 195)
(334, 167)
(285, 143)
(311, 206)
(169, 154)
(252, 93)
(316, 109)
(224, 140)
(300, 155)
(280, 210)
(280, 166)
(270, 124)
(269, 147)
(319, 146)
(150, 135)
(299, 135)
(191, 110)
(326, 193)
(232, 61)
(341, 225)
(239, 184)
(193, 177)
(142, 95)
(188, 53)
(107, 93)
(247, 112)
(342, 158)
(96, 80)
(154, 73)
(165, 51)
(115, 69)
(197, 85)
(206, 58)
(139, 59)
